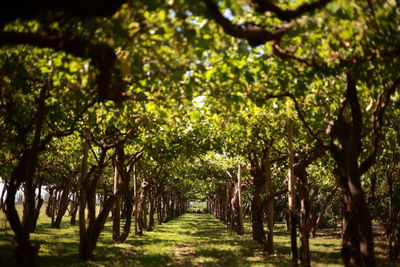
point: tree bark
(257, 210)
(25, 253)
(270, 205)
(117, 206)
(62, 206)
(153, 198)
(305, 207)
(74, 208)
(357, 243)
(141, 208)
(240, 228)
(83, 239)
(292, 198)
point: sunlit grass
(192, 239)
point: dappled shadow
(190, 240)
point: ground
(190, 240)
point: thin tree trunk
(304, 226)
(117, 206)
(141, 208)
(83, 239)
(62, 207)
(292, 199)
(74, 208)
(153, 198)
(38, 206)
(136, 199)
(270, 205)
(2, 204)
(323, 210)
(240, 228)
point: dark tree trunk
(323, 210)
(74, 208)
(116, 212)
(292, 198)
(141, 208)
(29, 206)
(153, 198)
(270, 204)
(257, 209)
(358, 245)
(2, 204)
(25, 253)
(38, 207)
(358, 249)
(89, 230)
(49, 205)
(304, 226)
(62, 206)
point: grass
(190, 240)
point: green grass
(190, 240)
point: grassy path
(190, 240)
(198, 240)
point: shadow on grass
(206, 240)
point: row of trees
(186, 77)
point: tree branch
(288, 14)
(379, 111)
(298, 110)
(255, 34)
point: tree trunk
(270, 205)
(29, 206)
(84, 252)
(323, 210)
(135, 199)
(25, 253)
(141, 208)
(38, 207)
(74, 208)
(305, 207)
(49, 205)
(153, 198)
(257, 210)
(346, 135)
(117, 206)
(292, 198)
(240, 228)
(358, 249)
(62, 207)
